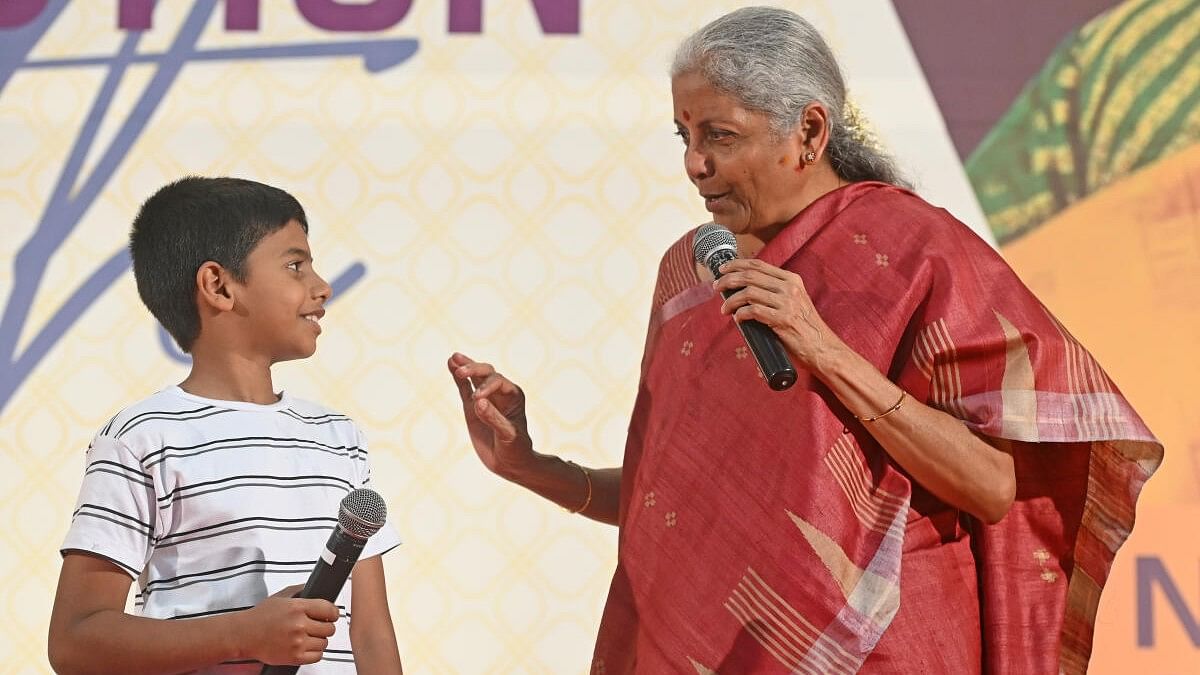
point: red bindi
(687, 116)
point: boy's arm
(91, 633)
(371, 633)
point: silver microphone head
(362, 513)
(713, 246)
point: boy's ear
(212, 287)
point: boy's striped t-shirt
(214, 505)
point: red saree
(767, 532)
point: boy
(219, 492)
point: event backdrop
(500, 178)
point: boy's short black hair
(190, 222)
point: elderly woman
(944, 488)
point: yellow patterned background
(509, 193)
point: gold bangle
(885, 413)
(587, 475)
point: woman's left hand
(777, 298)
(937, 450)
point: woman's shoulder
(901, 200)
(677, 268)
(908, 211)
(678, 258)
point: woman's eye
(682, 136)
(294, 266)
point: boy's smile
(315, 318)
(282, 298)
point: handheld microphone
(360, 515)
(714, 246)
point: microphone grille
(711, 238)
(362, 513)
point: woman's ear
(212, 287)
(814, 129)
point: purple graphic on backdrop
(74, 193)
(24, 22)
(1152, 573)
(465, 16)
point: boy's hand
(283, 630)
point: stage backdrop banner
(501, 178)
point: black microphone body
(362, 514)
(334, 566)
(773, 361)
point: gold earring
(810, 157)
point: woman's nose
(695, 163)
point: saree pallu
(768, 532)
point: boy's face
(282, 297)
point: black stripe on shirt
(177, 415)
(317, 419)
(253, 661)
(101, 466)
(262, 442)
(132, 572)
(196, 489)
(210, 612)
(326, 482)
(247, 519)
(296, 528)
(112, 420)
(301, 565)
(342, 613)
(338, 655)
(147, 592)
(142, 526)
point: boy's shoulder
(304, 409)
(166, 404)
(172, 417)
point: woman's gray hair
(775, 62)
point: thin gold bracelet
(885, 413)
(587, 475)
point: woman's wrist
(856, 382)
(587, 500)
(834, 361)
(563, 482)
(525, 470)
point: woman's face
(748, 177)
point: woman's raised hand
(494, 408)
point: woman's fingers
(477, 383)
(468, 374)
(755, 265)
(767, 316)
(752, 295)
(464, 385)
(755, 279)
(475, 372)
(491, 416)
(495, 384)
